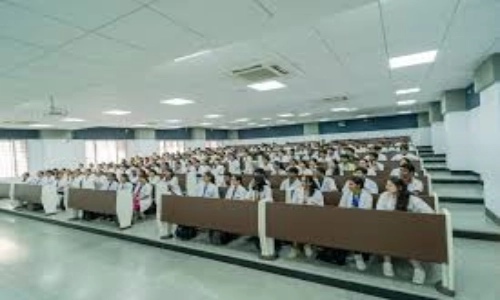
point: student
(346, 165)
(267, 166)
(415, 186)
(153, 177)
(357, 197)
(291, 185)
(142, 196)
(369, 185)
(259, 189)
(248, 164)
(234, 165)
(172, 183)
(50, 178)
(370, 169)
(133, 177)
(396, 172)
(397, 197)
(236, 191)
(76, 180)
(218, 170)
(207, 188)
(111, 183)
(326, 184)
(404, 153)
(39, 179)
(309, 194)
(124, 183)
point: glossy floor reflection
(40, 261)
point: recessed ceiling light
(286, 115)
(404, 112)
(205, 124)
(267, 85)
(282, 121)
(252, 124)
(306, 114)
(174, 126)
(324, 120)
(362, 116)
(242, 120)
(173, 121)
(407, 91)
(266, 119)
(117, 112)
(213, 116)
(340, 109)
(193, 55)
(177, 101)
(413, 59)
(140, 125)
(39, 125)
(74, 120)
(406, 102)
(261, 125)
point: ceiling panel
(13, 53)
(33, 28)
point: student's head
(404, 161)
(227, 177)
(49, 173)
(356, 184)
(404, 149)
(236, 180)
(40, 174)
(143, 179)
(360, 172)
(407, 172)
(292, 172)
(320, 172)
(80, 166)
(124, 178)
(208, 177)
(363, 163)
(399, 189)
(310, 185)
(345, 158)
(25, 176)
(373, 156)
(169, 173)
(111, 177)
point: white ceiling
(96, 55)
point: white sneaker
(293, 253)
(308, 251)
(388, 270)
(360, 262)
(418, 276)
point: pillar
(456, 130)
(437, 128)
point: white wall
(475, 138)
(142, 147)
(438, 138)
(456, 131)
(46, 154)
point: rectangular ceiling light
(39, 125)
(405, 112)
(286, 115)
(267, 85)
(191, 56)
(72, 120)
(413, 59)
(116, 112)
(362, 116)
(341, 109)
(173, 121)
(241, 120)
(177, 101)
(213, 116)
(406, 102)
(205, 124)
(306, 114)
(407, 91)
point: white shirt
(125, 186)
(301, 197)
(234, 167)
(266, 194)
(143, 192)
(290, 188)
(365, 200)
(400, 156)
(328, 184)
(207, 190)
(109, 186)
(370, 185)
(415, 185)
(88, 182)
(236, 193)
(387, 201)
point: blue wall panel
(267, 132)
(103, 133)
(19, 134)
(173, 134)
(472, 99)
(216, 134)
(369, 124)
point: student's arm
(367, 201)
(384, 202)
(418, 205)
(344, 201)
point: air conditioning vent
(260, 72)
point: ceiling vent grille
(260, 72)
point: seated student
(326, 184)
(378, 150)
(248, 164)
(100, 180)
(404, 153)
(76, 179)
(407, 174)
(332, 168)
(346, 164)
(207, 188)
(304, 169)
(124, 183)
(309, 194)
(363, 163)
(374, 162)
(396, 172)
(142, 196)
(88, 180)
(171, 183)
(369, 185)
(398, 198)
(259, 189)
(219, 170)
(279, 169)
(234, 164)
(292, 184)
(153, 177)
(111, 183)
(356, 196)
(236, 191)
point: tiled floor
(447, 175)
(470, 217)
(460, 190)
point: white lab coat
(77, 182)
(192, 180)
(108, 186)
(290, 188)
(266, 194)
(327, 185)
(234, 167)
(400, 156)
(236, 193)
(88, 182)
(218, 172)
(370, 185)
(207, 190)
(387, 201)
(125, 186)
(365, 200)
(169, 187)
(301, 197)
(415, 186)
(144, 193)
(248, 165)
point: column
(143, 144)
(198, 137)
(487, 84)
(456, 130)
(437, 128)
(423, 136)
(311, 132)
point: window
(172, 147)
(105, 151)
(13, 158)
(213, 144)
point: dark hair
(260, 172)
(410, 167)
(238, 178)
(321, 170)
(358, 181)
(226, 173)
(293, 170)
(113, 176)
(403, 197)
(374, 154)
(345, 156)
(362, 169)
(210, 176)
(312, 185)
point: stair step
(448, 199)
(457, 181)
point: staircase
(462, 194)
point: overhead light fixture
(266, 119)
(406, 102)
(407, 91)
(242, 120)
(286, 115)
(306, 114)
(413, 59)
(174, 126)
(261, 125)
(266, 85)
(252, 124)
(362, 116)
(206, 124)
(72, 120)
(324, 120)
(404, 112)
(340, 109)
(282, 121)
(40, 125)
(140, 125)
(213, 116)
(191, 56)
(177, 101)
(117, 112)
(173, 121)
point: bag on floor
(185, 233)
